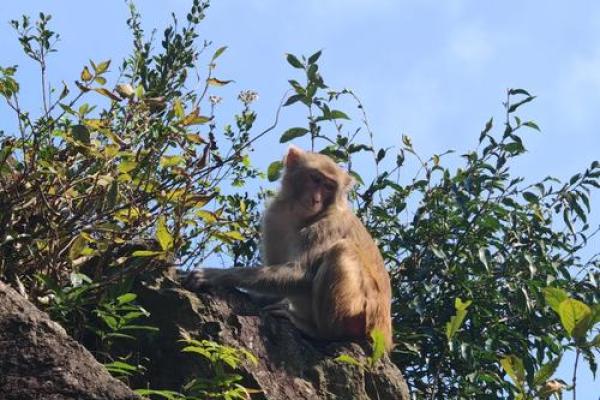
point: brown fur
(319, 256)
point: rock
(38, 360)
(290, 365)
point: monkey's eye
(315, 178)
(329, 186)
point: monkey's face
(315, 191)
(313, 183)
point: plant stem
(577, 352)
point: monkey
(318, 256)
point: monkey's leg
(339, 298)
(304, 326)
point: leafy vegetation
(115, 178)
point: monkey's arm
(280, 280)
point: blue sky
(435, 70)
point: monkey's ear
(292, 157)
(349, 181)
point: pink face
(318, 192)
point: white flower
(248, 96)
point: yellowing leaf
(207, 216)
(195, 138)
(111, 150)
(178, 108)
(229, 237)
(571, 313)
(95, 124)
(194, 118)
(174, 195)
(127, 215)
(126, 166)
(107, 93)
(217, 82)
(76, 247)
(102, 67)
(163, 236)
(554, 296)
(513, 366)
(170, 161)
(86, 76)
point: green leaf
(126, 166)
(293, 133)
(356, 177)
(460, 305)
(571, 313)
(582, 327)
(77, 247)
(293, 99)
(483, 258)
(337, 114)
(378, 341)
(218, 53)
(454, 324)
(514, 148)
(146, 253)
(274, 171)
(167, 394)
(331, 115)
(530, 197)
(532, 125)
(513, 107)
(488, 127)
(546, 371)
(315, 57)
(595, 314)
(595, 342)
(512, 92)
(348, 359)
(554, 296)
(294, 62)
(102, 67)
(81, 134)
(513, 366)
(126, 298)
(163, 236)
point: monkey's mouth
(311, 207)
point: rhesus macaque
(318, 255)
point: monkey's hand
(205, 277)
(277, 308)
